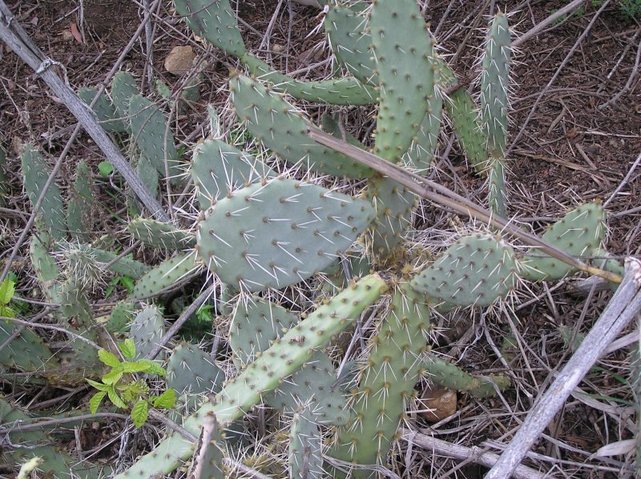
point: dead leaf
(437, 403)
(76, 33)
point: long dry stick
(624, 306)
(441, 195)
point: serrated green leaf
(153, 367)
(113, 376)
(140, 413)
(166, 400)
(128, 348)
(108, 358)
(135, 367)
(7, 290)
(96, 399)
(116, 399)
(97, 385)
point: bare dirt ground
(576, 133)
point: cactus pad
(282, 129)
(305, 447)
(475, 270)
(147, 329)
(103, 108)
(166, 275)
(123, 88)
(160, 235)
(191, 371)
(214, 21)
(579, 233)
(218, 168)
(278, 233)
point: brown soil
(575, 146)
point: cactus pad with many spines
(160, 235)
(281, 128)
(579, 233)
(218, 168)
(166, 275)
(404, 57)
(278, 233)
(147, 329)
(265, 374)
(476, 270)
(305, 447)
(386, 382)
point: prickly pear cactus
(147, 329)
(277, 233)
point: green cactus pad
(316, 385)
(403, 51)
(214, 21)
(152, 136)
(305, 447)
(423, 148)
(393, 204)
(118, 264)
(338, 91)
(166, 275)
(451, 376)
(282, 129)
(160, 235)
(263, 375)
(192, 371)
(278, 233)
(120, 318)
(466, 119)
(494, 85)
(80, 205)
(346, 29)
(476, 270)
(35, 172)
(256, 324)
(147, 329)
(218, 168)
(497, 196)
(27, 352)
(579, 233)
(148, 175)
(386, 382)
(103, 108)
(123, 88)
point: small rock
(180, 60)
(437, 403)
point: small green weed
(126, 391)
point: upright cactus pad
(476, 270)
(218, 168)
(208, 459)
(152, 136)
(278, 233)
(35, 172)
(255, 326)
(103, 108)
(305, 447)
(494, 85)
(404, 56)
(386, 382)
(351, 42)
(81, 203)
(579, 233)
(214, 21)
(166, 275)
(147, 328)
(123, 88)
(281, 128)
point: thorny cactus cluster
(260, 231)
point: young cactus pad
(147, 329)
(282, 129)
(265, 374)
(278, 233)
(475, 270)
(578, 233)
(166, 275)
